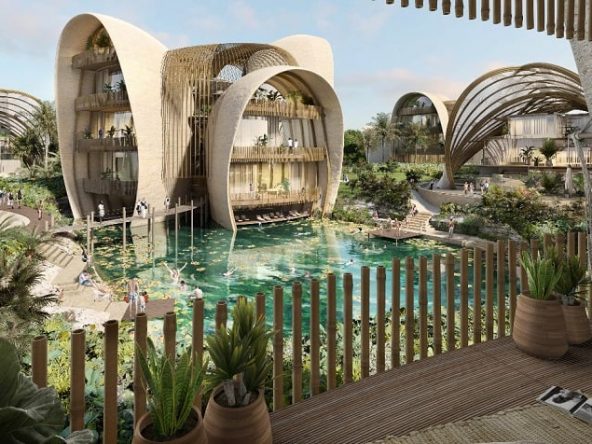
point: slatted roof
(16, 111)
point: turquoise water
(255, 260)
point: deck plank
(474, 381)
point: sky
(380, 51)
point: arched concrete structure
(227, 114)
(17, 110)
(140, 56)
(437, 101)
(311, 52)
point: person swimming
(174, 273)
(229, 273)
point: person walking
(295, 143)
(10, 202)
(133, 291)
(19, 197)
(466, 187)
(472, 187)
(144, 208)
(101, 211)
(451, 226)
(167, 204)
(290, 144)
(40, 210)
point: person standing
(133, 290)
(101, 211)
(295, 143)
(167, 204)
(451, 226)
(466, 188)
(144, 208)
(290, 144)
(10, 202)
(40, 210)
(472, 187)
(19, 197)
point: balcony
(110, 186)
(246, 154)
(92, 59)
(286, 109)
(416, 110)
(273, 197)
(108, 144)
(111, 101)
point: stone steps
(419, 222)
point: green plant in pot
(29, 414)
(539, 327)
(573, 283)
(172, 386)
(236, 410)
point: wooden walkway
(391, 234)
(154, 309)
(467, 383)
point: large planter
(245, 425)
(197, 435)
(539, 328)
(577, 324)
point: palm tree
(382, 130)
(549, 149)
(527, 152)
(417, 136)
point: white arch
(226, 117)
(310, 52)
(436, 99)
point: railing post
(221, 314)
(278, 348)
(176, 229)
(396, 315)
(365, 333)
(437, 303)
(347, 328)
(314, 338)
(582, 248)
(523, 276)
(501, 292)
(489, 295)
(39, 361)
(560, 246)
(88, 234)
(512, 279)
(534, 248)
(260, 303)
(123, 228)
(571, 244)
(409, 311)
(423, 307)
(77, 380)
(170, 334)
(331, 332)
(380, 313)
(450, 309)
(464, 297)
(197, 338)
(477, 264)
(140, 335)
(110, 415)
(296, 342)
(152, 232)
(547, 242)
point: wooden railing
(93, 59)
(110, 186)
(417, 330)
(261, 198)
(127, 143)
(283, 108)
(105, 101)
(278, 154)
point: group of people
(135, 298)
(292, 144)
(142, 208)
(469, 187)
(10, 199)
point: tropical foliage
(542, 274)
(382, 130)
(549, 149)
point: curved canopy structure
(420, 102)
(17, 111)
(484, 106)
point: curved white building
(255, 131)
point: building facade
(253, 130)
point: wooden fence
(415, 332)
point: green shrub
(551, 182)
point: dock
(154, 309)
(392, 234)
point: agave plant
(240, 355)
(542, 273)
(573, 280)
(172, 387)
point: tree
(526, 153)
(28, 147)
(382, 130)
(416, 136)
(353, 147)
(549, 149)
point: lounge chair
(260, 218)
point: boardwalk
(154, 309)
(391, 234)
(470, 382)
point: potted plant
(236, 410)
(539, 327)
(171, 388)
(549, 149)
(573, 281)
(29, 413)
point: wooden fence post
(331, 332)
(315, 377)
(176, 229)
(582, 248)
(489, 295)
(464, 297)
(124, 230)
(39, 361)
(437, 303)
(409, 311)
(197, 338)
(571, 244)
(140, 335)
(547, 242)
(423, 307)
(523, 276)
(534, 248)
(221, 314)
(396, 315)
(110, 415)
(450, 309)
(512, 279)
(560, 245)
(380, 313)
(77, 380)
(152, 232)
(347, 328)
(365, 336)
(278, 347)
(191, 222)
(477, 265)
(88, 234)
(296, 342)
(501, 291)
(170, 334)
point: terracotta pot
(539, 328)
(196, 436)
(577, 324)
(245, 425)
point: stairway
(418, 223)
(56, 253)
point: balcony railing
(105, 101)
(127, 143)
(287, 109)
(273, 197)
(110, 186)
(279, 154)
(94, 59)
(416, 110)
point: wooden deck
(154, 309)
(391, 234)
(470, 382)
